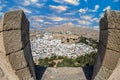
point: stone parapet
(109, 46)
(16, 61)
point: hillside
(86, 32)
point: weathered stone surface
(29, 58)
(98, 78)
(14, 20)
(111, 39)
(64, 73)
(110, 20)
(14, 40)
(116, 73)
(1, 73)
(104, 72)
(99, 59)
(17, 60)
(101, 51)
(6, 69)
(2, 48)
(111, 59)
(24, 74)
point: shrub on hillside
(80, 61)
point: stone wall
(106, 66)
(16, 61)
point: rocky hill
(86, 32)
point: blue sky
(49, 13)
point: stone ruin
(16, 61)
(107, 66)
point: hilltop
(86, 32)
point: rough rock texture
(64, 73)
(16, 61)
(116, 73)
(107, 62)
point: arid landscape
(59, 40)
(86, 32)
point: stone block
(101, 51)
(29, 58)
(116, 74)
(24, 74)
(104, 73)
(103, 23)
(17, 60)
(99, 78)
(111, 39)
(1, 73)
(2, 48)
(15, 47)
(15, 40)
(111, 20)
(97, 67)
(111, 59)
(14, 20)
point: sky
(49, 13)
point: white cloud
(83, 10)
(84, 22)
(107, 8)
(70, 13)
(36, 25)
(58, 1)
(47, 23)
(34, 1)
(37, 19)
(96, 19)
(115, 0)
(39, 5)
(86, 17)
(85, 0)
(58, 8)
(26, 3)
(25, 10)
(73, 2)
(90, 18)
(95, 8)
(2, 6)
(57, 18)
(101, 15)
(68, 23)
(29, 2)
(53, 18)
(1, 13)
